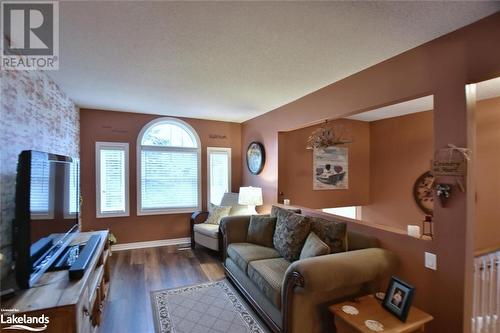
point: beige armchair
(206, 234)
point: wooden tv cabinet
(73, 306)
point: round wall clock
(423, 192)
(256, 157)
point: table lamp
(250, 196)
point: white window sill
(167, 211)
(106, 215)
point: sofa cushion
(261, 230)
(243, 253)
(314, 247)
(290, 234)
(334, 234)
(207, 229)
(268, 275)
(217, 213)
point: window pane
(40, 187)
(166, 134)
(219, 175)
(112, 180)
(169, 179)
(73, 199)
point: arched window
(168, 168)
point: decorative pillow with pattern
(275, 210)
(334, 234)
(290, 234)
(217, 213)
(314, 247)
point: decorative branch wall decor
(327, 136)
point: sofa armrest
(334, 271)
(196, 218)
(199, 217)
(234, 229)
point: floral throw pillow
(334, 234)
(290, 234)
(275, 210)
(217, 213)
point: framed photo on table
(398, 298)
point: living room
(177, 118)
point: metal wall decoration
(218, 136)
(256, 157)
(443, 193)
(423, 192)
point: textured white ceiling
(484, 90)
(234, 60)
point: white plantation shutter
(112, 180)
(74, 174)
(72, 191)
(169, 168)
(40, 191)
(219, 173)
(170, 179)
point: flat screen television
(47, 210)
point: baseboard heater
(77, 270)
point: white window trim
(140, 147)
(98, 146)
(217, 149)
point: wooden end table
(371, 308)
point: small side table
(371, 308)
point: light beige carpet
(213, 307)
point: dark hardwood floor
(135, 273)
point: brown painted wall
(97, 125)
(295, 177)
(441, 67)
(394, 168)
(488, 174)
(400, 151)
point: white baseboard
(155, 243)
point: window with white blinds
(168, 168)
(112, 197)
(74, 182)
(41, 190)
(219, 173)
(71, 197)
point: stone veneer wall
(35, 115)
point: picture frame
(398, 298)
(330, 168)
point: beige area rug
(212, 307)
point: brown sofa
(294, 296)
